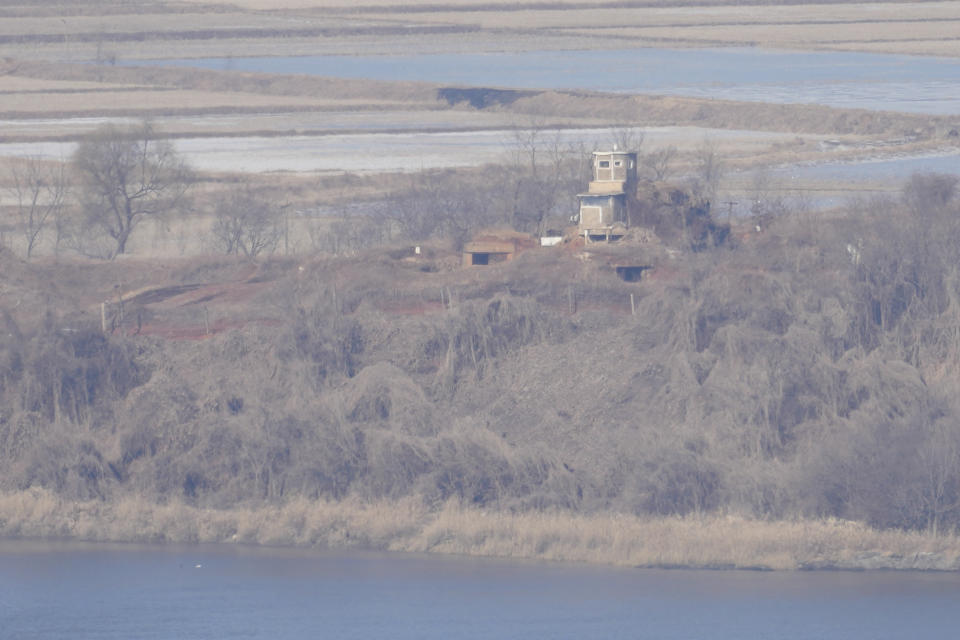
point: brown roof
(489, 247)
(516, 239)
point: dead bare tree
(442, 203)
(247, 223)
(544, 171)
(627, 138)
(40, 189)
(929, 192)
(708, 171)
(127, 175)
(413, 209)
(766, 199)
(658, 162)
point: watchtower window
(604, 164)
(618, 164)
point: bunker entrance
(631, 273)
(488, 258)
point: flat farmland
(66, 68)
(100, 30)
(153, 101)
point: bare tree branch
(126, 176)
(40, 190)
(247, 223)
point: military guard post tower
(603, 208)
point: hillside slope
(777, 378)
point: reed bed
(699, 541)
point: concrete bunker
(480, 253)
(493, 247)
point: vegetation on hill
(778, 392)
(809, 370)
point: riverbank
(704, 541)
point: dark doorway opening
(632, 273)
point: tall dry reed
(714, 541)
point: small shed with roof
(493, 246)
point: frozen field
(381, 152)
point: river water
(915, 84)
(50, 591)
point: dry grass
(25, 27)
(292, 27)
(942, 48)
(709, 541)
(856, 16)
(19, 84)
(407, 525)
(505, 5)
(313, 87)
(791, 36)
(728, 114)
(156, 101)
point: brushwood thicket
(812, 370)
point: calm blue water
(861, 80)
(105, 592)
